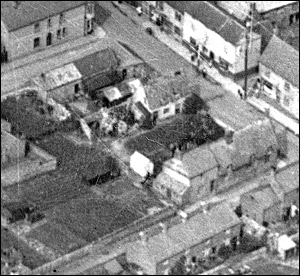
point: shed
(286, 246)
(141, 164)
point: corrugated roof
(282, 59)
(213, 18)
(97, 63)
(181, 237)
(30, 12)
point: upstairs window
(36, 42)
(37, 27)
(61, 18)
(58, 34)
(64, 32)
(178, 16)
(49, 23)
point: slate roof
(289, 178)
(213, 18)
(264, 197)
(30, 12)
(196, 230)
(282, 59)
(96, 63)
(164, 90)
(194, 162)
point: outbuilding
(141, 164)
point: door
(49, 39)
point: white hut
(141, 164)
(286, 247)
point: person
(139, 10)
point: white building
(141, 164)
(279, 75)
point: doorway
(49, 39)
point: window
(64, 32)
(166, 110)
(212, 185)
(58, 34)
(212, 55)
(286, 101)
(36, 42)
(160, 5)
(287, 86)
(268, 84)
(49, 23)
(178, 16)
(61, 18)
(224, 64)
(76, 88)
(177, 31)
(193, 41)
(37, 27)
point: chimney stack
(16, 4)
(163, 227)
(229, 136)
(183, 215)
(143, 238)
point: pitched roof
(289, 178)
(194, 162)
(264, 197)
(221, 152)
(213, 18)
(99, 62)
(282, 59)
(196, 230)
(171, 183)
(164, 90)
(30, 12)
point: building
(215, 36)
(286, 187)
(61, 84)
(166, 96)
(188, 176)
(282, 13)
(286, 247)
(194, 238)
(220, 165)
(30, 26)
(261, 205)
(279, 75)
(98, 70)
(141, 164)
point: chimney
(229, 136)
(178, 154)
(164, 227)
(143, 238)
(275, 28)
(16, 4)
(183, 215)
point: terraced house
(216, 167)
(196, 237)
(279, 75)
(209, 32)
(30, 26)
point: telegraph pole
(247, 38)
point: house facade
(195, 238)
(28, 27)
(261, 205)
(279, 75)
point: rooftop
(212, 18)
(164, 90)
(171, 183)
(289, 178)
(30, 12)
(98, 62)
(282, 59)
(265, 197)
(181, 237)
(58, 77)
(221, 152)
(194, 162)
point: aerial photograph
(149, 137)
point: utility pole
(249, 24)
